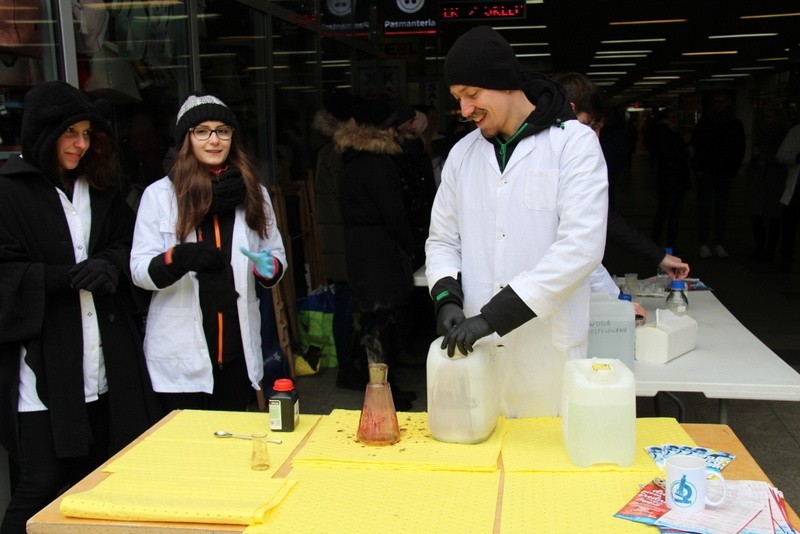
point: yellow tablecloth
(570, 502)
(187, 443)
(140, 496)
(536, 444)
(374, 501)
(334, 445)
(183, 473)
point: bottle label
(275, 416)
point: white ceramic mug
(686, 484)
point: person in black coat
(719, 144)
(590, 108)
(673, 176)
(379, 241)
(74, 386)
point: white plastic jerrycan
(463, 399)
(612, 328)
(598, 412)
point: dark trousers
(765, 234)
(343, 326)
(42, 475)
(380, 337)
(670, 206)
(713, 196)
(232, 391)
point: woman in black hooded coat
(74, 387)
(378, 237)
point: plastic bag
(315, 323)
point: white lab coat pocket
(541, 190)
(175, 350)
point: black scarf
(228, 191)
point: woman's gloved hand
(449, 316)
(263, 262)
(96, 275)
(466, 334)
(198, 257)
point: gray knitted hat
(199, 108)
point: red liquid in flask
(378, 423)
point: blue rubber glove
(263, 261)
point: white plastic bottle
(676, 300)
(463, 399)
(598, 412)
(612, 328)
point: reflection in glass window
(135, 56)
(27, 56)
(234, 67)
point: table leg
(723, 412)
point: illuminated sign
(461, 10)
(409, 17)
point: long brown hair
(99, 166)
(192, 182)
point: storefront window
(135, 56)
(295, 78)
(234, 65)
(28, 54)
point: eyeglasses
(204, 134)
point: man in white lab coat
(518, 225)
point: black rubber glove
(198, 257)
(466, 334)
(96, 275)
(449, 316)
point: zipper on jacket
(503, 145)
(220, 322)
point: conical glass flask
(378, 423)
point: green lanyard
(504, 145)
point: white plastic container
(598, 412)
(667, 338)
(612, 329)
(463, 399)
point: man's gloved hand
(198, 257)
(465, 335)
(449, 316)
(96, 275)
(263, 262)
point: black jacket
(672, 158)
(719, 144)
(40, 311)
(379, 240)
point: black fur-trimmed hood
(361, 138)
(325, 123)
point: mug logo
(410, 6)
(683, 492)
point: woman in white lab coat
(204, 236)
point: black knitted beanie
(374, 112)
(51, 108)
(482, 58)
(198, 108)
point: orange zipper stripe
(220, 325)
